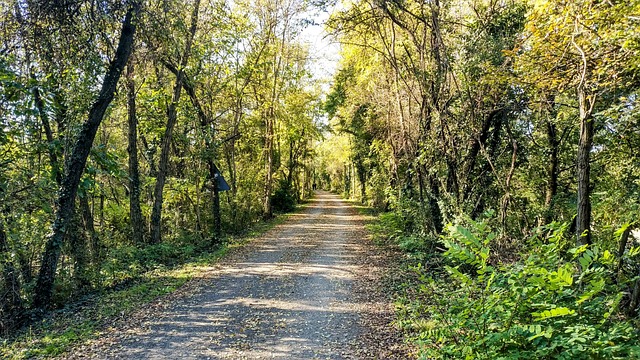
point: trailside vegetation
(500, 141)
(137, 134)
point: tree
(172, 117)
(441, 99)
(65, 125)
(137, 222)
(78, 158)
(581, 47)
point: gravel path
(305, 290)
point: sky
(324, 51)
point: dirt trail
(304, 290)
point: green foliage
(482, 115)
(391, 226)
(127, 287)
(126, 263)
(284, 197)
(552, 304)
(168, 254)
(388, 226)
(242, 67)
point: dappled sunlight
(323, 227)
(279, 305)
(290, 297)
(289, 269)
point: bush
(120, 265)
(284, 198)
(126, 263)
(552, 304)
(166, 253)
(392, 226)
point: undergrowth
(138, 277)
(554, 301)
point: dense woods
(500, 140)
(122, 121)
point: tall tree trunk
(78, 241)
(622, 246)
(583, 217)
(268, 148)
(172, 116)
(585, 105)
(87, 218)
(270, 121)
(471, 159)
(291, 164)
(436, 212)
(205, 125)
(78, 158)
(553, 169)
(231, 164)
(136, 220)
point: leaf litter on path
(310, 288)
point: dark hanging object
(221, 183)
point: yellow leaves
(335, 152)
(558, 32)
(552, 313)
(564, 276)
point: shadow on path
(289, 296)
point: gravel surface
(307, 289)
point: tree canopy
(498, 139)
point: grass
(80, 322)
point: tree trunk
(436, 212)
(163, 165)
(471, 159)
(87, 217)
(11, 308)
(635, 299)
(78, 241)
(583, 218)
(270, 121)
(268, 148)
(205, 124)
(172, 116)
(136, 219)
(622, 246)
(291, 164)
(553, 169)
(77, 161)
(231, 164)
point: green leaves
(469, 247)
(562, 277)
(555, 312)
(555, 303)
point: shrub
(166, 253)
(284, 197)
(552, 304)
(125, 263)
